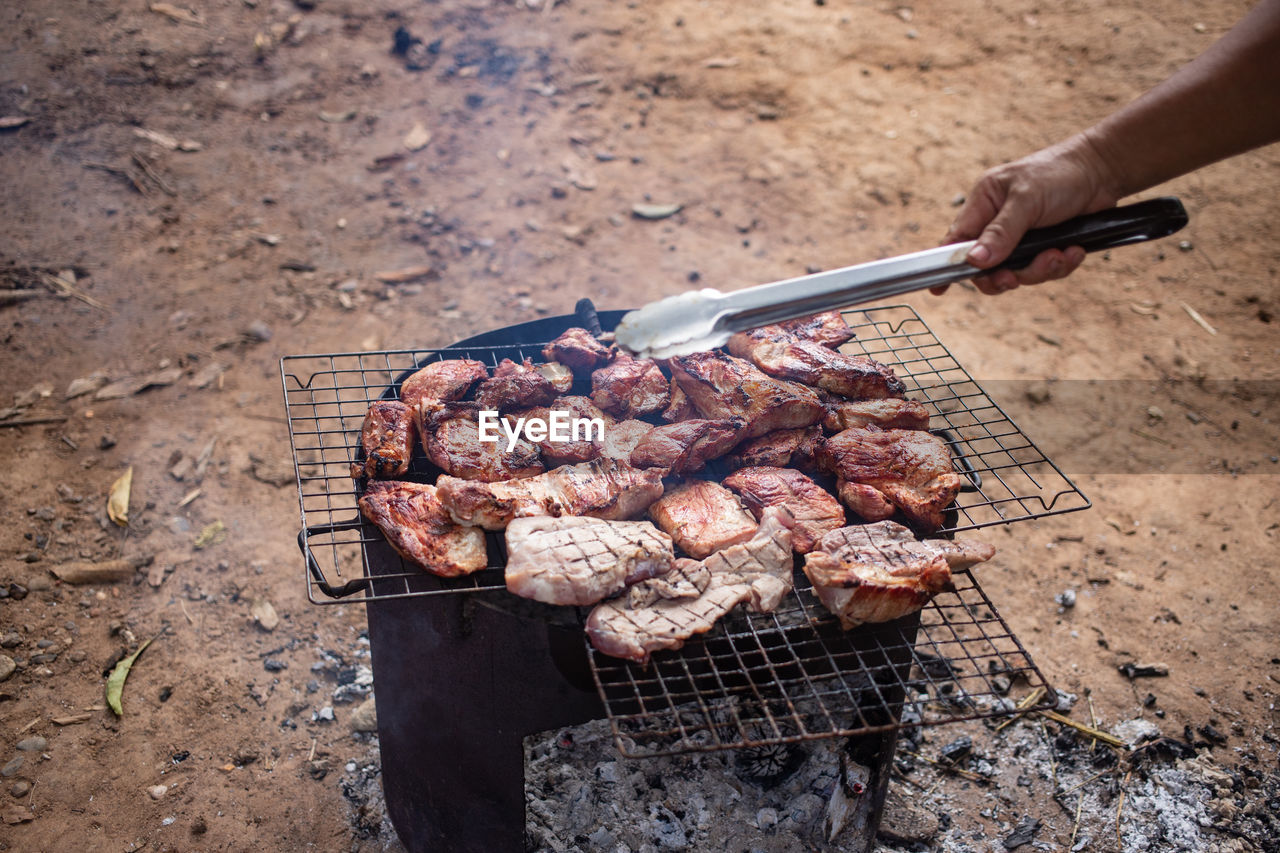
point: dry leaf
(264, 614)
(403, 275)
(107, 571)
(182, 16)
(85, 385)
(14, 814)
(417, 138)
(10, 122)
(212, 534)
(115, 681)
(118, 499)
(655, 211)
(72, 719)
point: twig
(1093, 720)
(1089, 730)
(1095, 777)
(65, 287)
(1076, 826)
(1200, 321)
(13, 297)
(1029, 700)
(153, 175)
(1120, 807)
(312, 754)
(32, 422)
(1140, 434)
(127, 174)
(183, 604)
(1053, 761)
(29, 725)
(967, 774)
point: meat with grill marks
(680, 408)
(665, 615)
(620, 439)
(387, 437)
(420, 530)
(579, 561)
(721, 386)
(783, 448)
(685, 446)
(568, 452)
(451, 437)
(601, 488)
(702, 517)
(630, 387)
(578, 349)
(888, 413)
(827, 328)
(442, 380)
(515, 386)
(878, 572)
(780, 354)
(909, 469)
(815, 511)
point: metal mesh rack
(793, 675)
(327, 396)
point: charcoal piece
(1023, 833)
(1143, 670)
(957, 749)
(1211, 734)
(935, 666)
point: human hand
(1044, 188)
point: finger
(993, 284)
(939, 289)
(1002, 234)
(1074, 257)
(1047, 265)
(980, 207)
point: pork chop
(443, 381)
(721, 386)
(702, 517)
(685, 446)
(420, 530)
(816, 512)
(911, 469)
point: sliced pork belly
(887, 413)
(442, 381)
(579, 561)
(878, 572)
(515, 386)
(601, 488)
(721, 386)
(451, 436)
(578, 349)
(815, 511)
(758, 571)
(387, 437)
(782, 448)
(685, 446)
(703, 517)
(420, 530)
(909, 468)
(630, 387)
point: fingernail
(978, 255)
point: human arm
(1224, 102)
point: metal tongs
(703, 319)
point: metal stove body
(464, 671)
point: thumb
(1001, 235)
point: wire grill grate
(326, 398)
(794, 675)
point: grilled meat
(878, 572)
(867, 501)
(685, 446)
(910, 468)
(686, 579)
(387, 437)
(630, 387)
(579, 561)
(442, 380)
(680, 408)
(621, 437)
(827, 328)
(757, 571)
(888, 413)
(579, 350)
(567, 452)
(815, 511)
(783, 448)
(560, 376)
(721, 386)
(515, 386)
(702, 517)
(451, 436)
(780, 354)
(419, 528)
(601, 488)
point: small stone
(17, 591)
(258, 331)
(957, 200)
(313, 686)
(11, 640)
(157, 791)
(35, 743)
(178, 525)
(20, 788)
(1001, 684)
(1067, 598)
(14, 765)
(766, 819)
(44, 658)
(957, 749)
(7, 666)
(1186, 246)
(274, 665)
(1136, 731)
(1038, 393)
(198, 826)
(106, 442)
(906, 822)
(364, 717)
(324, 715)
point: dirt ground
(278, 180)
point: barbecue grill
(464, 670)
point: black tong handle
(1106, 229)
